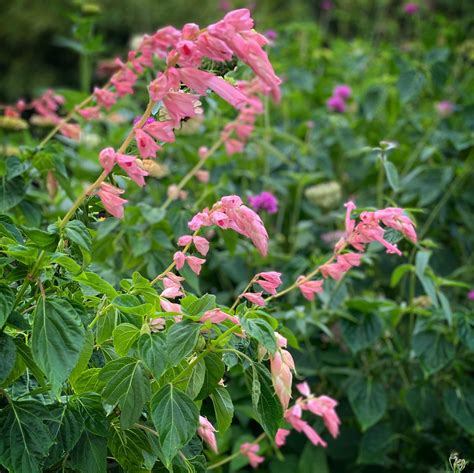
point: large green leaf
(7, 301)
(223, 407)
(361, 334)
(57, 338)
(78, 233)
(181, 340)
(7, 356)
(128, 448)
(262, 332)
(176, 419)
(376, 444)
(196, 379)
(124, 337)
(460, 406)
(214, 372)
(90, 453)
(433, 350)
(11, 193)
(25, 436)
(127, 385)
(266, 404)
(197, 306)
(152, 351)
(94, 281)
(368, 400)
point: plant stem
(243, 292)
(380, 180)
(29, 277)
(193, 172)
(102, 177)
(191, 365)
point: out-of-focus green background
(33, 55)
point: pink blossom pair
(108, 157)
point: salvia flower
(280, 437)
(281, 366)
(207, 432)
(250, 450)
(110, 197)
(309, 288)
(264, 201)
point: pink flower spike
(107, 159)
(109, 195)
(470, 295)
(195, 263)
(250, 450)
(130, 166)
(146, 145)
(255, 298)
(280, 437)
(201, 244)
(309, 288)
(179, 259)
(206, 432)
(304, 389)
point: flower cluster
(264, 201)
(281, 366)
(337, 101)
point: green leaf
(41, 238)
(223, 407)
(67, 263)
(87, 381)
(460, 406)
(25, 354)
(57, 339)
(196, 379)
(78, 233)
(399, 272)
(433, 350)
(124, 336)
(368, 401)
(261, 331)
(131, 305)
(25, 437)
(7, 356)
(128, 447)
(84, 357)
(214, 372)
(11, 193)
(152, 351)
(176, 419)
(127, 385)
(392, 175)
(7, 301)
(90, 453)
(197, 306)
(376, 444)
(313, 460)
(410, 83)
(361, 334)
(181, 340)
(95, 282)
(264, 400)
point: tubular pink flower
(255, 298)
(161, 131)
(179, 259)
(158, 88)
(185, 240)
(201, 244)
(89, 113)
(146, 145)
(250, 451)
(280, 437)
(130, 166)
(195, 263)
(107, 159)
(269, 281)
(304, 389)
(206, 432)
(168, 306)
(109, 195)
(309, 288)
(217, 316)
(202, 176)
(180, 105)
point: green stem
(190, 366)
(29, 277)
(380, 181)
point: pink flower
(146, 145)
(293, 417)
(89, 113)
(159, 87)
(217, 316)
(269, 281)
(280, 437)
(342, 91)
(185, 240)
(195, 263)
(206, 432)
(109, 195)
(264, 201)
(309, 288)
(123, 80)
(445, 108)
(104, 97)
(130, 166)
(203, 152)
(202, 176)
(336, 104)
(304, 389)
(255, 298)
(161, 131)
(179, 259)
(233, 146)
(201, 244)
(213, 48)
(411, 8)
(180, 105)
(107, 159)
(71, 131)
(250, 450)
(470, 295)
(172, 286)
(168, 306)
(157, 324)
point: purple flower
(271, 35)
(336, 104)
(264, 201)
(225, 6)
(470, 295)
(327, 5)
(411, 8)
(148, 120)
(343, 91)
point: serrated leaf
(12, 192)
(460, 406)
(152, 351)
(7, 356)
(368, 400)
(124, 337)
(78, 233)
(57, 339)
(90, 453)
(128, 447)
(67, 263)
(87, 381)
(213, 374)
(196, 379)
(84, 357)
(362, 333)
(176, 419)
(127, 385)
(392, 175)
(223, 407)
(433, 350)
(7, 302)
(197, 306)
(131, 305)
(97, 283)
(181, 340)
(41, 238)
